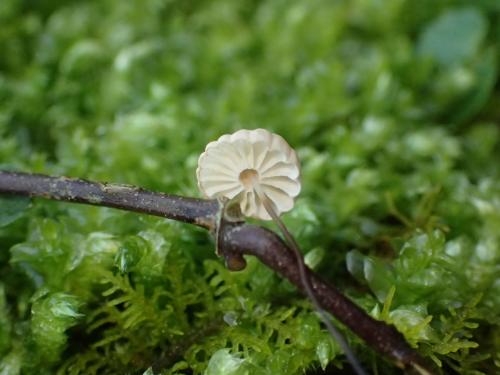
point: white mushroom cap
(231, 166)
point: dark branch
(234, 239)
(201, 212)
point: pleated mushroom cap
(231, 166)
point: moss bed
(394, 109)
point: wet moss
(393, 108)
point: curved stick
(201, 212)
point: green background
(393, 107)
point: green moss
(393, 108)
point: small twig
(201, 212)
(234, 240)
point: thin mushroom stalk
(306, 282)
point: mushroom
(248, 166)
(260, 171)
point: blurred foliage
(393, 106)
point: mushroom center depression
(248, 178)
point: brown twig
(234, 240)
(201, 212)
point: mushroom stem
(306, 282)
